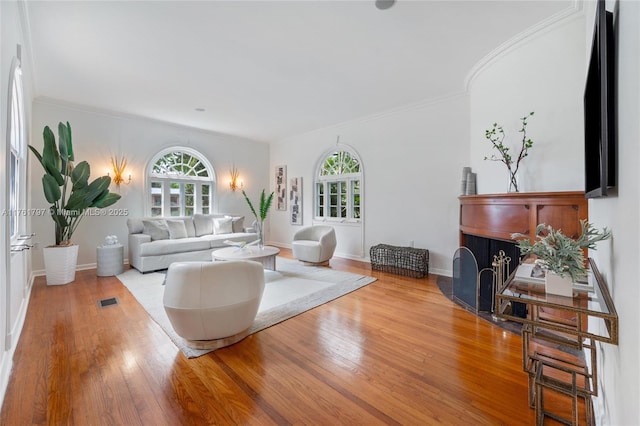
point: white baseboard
(6, 363)
(84, 267)
(435, 271)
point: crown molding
(576, 10)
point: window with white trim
(338, 194)
(181, 183)
(16, 133)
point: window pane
(320, 199)
(175, 199)
(189, 199)
(156, 198)
(343, 199)
(355, 194)
(333, 199)
(206, 199)
(13, 194)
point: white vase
(555, 284)
(60, 264)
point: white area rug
(292, 289)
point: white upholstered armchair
(314, 244)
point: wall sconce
(118, 165)
(234, 182)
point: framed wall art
(281, 187)
(295, 200)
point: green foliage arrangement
(66, 186)
(496, 137)
(560, 253)
(265, 204)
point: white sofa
(155, 243)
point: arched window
(338, 187)
(17, 137)
(181, 183)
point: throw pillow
(191, 228)
(222, 226)
(177, 229)
(237, 223)
(203, 224)
(156, 228)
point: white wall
(619, 261)
(412, 161)
(99, 135)
(14, 288)
(544, 74)
(413, 157)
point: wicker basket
(407, 261)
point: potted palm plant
(560, 256)
(265, 204)
(67, 188)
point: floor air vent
(108, 302)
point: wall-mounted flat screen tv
(599, 109)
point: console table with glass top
(574, 323)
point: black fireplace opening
(474, 287)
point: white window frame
(347, 180)
(16, 147)
(167, 179)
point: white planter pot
(555, 284)
(60, 264)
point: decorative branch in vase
(496, 137)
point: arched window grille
(181, 183)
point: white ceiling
(265, 70)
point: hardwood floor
(394, 352)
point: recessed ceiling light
(384, 4)
(200, 109)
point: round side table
(110, 260)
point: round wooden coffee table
(266, 255)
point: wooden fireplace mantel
(497, 216)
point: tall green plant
(265, 204)
(66, 187)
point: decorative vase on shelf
(556, 284)
(513, 182)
